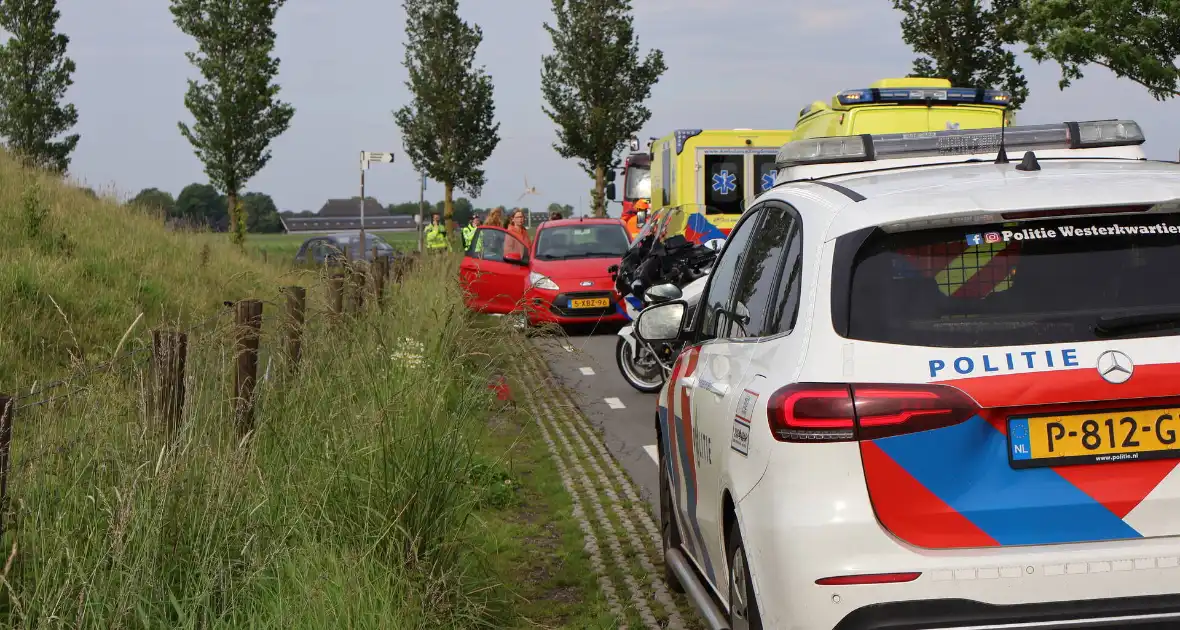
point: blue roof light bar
(924, 95)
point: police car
(929, 386)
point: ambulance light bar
(866, 148)
(923, 95)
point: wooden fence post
(296, 307)
(358, 289)
(169, 356)
(379, 280)
(403, 266)
(7, 413)
(336, 294)
(248, 317)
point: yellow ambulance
(907, 105)
(708, 175)
(712, 173)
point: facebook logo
(975, 239)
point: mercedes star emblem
(586, 283)
(1115, 367)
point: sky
(731, 64)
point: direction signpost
(367, 158)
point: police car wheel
(743, 605)
(668, 530)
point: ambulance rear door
(726, 176)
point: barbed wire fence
(162, 373)
(39, 397)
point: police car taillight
(806, 412)
(826, 412)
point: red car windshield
(604, 240)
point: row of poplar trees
(235, 106)
(594, 83)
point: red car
(561, 277)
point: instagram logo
(992, 237)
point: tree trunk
(237, 231)
(449, 211)
(599, 191)
(449, 206)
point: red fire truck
(636, 170)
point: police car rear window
(1042, 281)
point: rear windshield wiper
(1117, 325)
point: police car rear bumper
(1137, 613)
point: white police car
(927, 387)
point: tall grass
(349, 505)
(76, 272)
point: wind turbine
(528, 190)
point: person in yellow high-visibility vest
(436, 235)
(468, 232)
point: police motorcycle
(653, 271)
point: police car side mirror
(660, 323)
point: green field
(284, 246)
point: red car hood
(594, 269)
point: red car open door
(494, 282)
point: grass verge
(377, 489)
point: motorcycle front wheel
(643, 373)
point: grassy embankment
(380, 487)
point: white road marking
(614, 403)
(653, 452)
(586, 371)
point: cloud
(828, 18)
(682, 7)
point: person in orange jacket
(633, 222)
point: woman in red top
(513, 248)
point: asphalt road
(585, 363)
